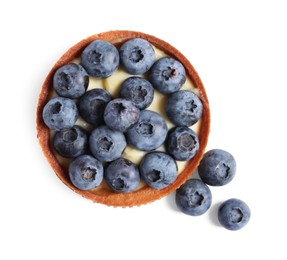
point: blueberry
(167, 75)
(122, 175)
(71, 142)
(121, 114)
(149, 132)
(217, 167)
(60, 113)
(106, 144)
(234, 214)
(92, 105)
(86, 172)
(137, 56)
(100, 59)
(184, 108)
(158, 169)
(71, 81)
(182, 143)
(193, 197)
(138, 90)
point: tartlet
(104, 194)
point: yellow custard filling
(112, 85)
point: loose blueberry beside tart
(123, 118)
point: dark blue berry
(106, 144)
(182, 143)
(71, 142)
(158, 169)
(86, 172)
(137, 56)
(149, 132)
(100, 59)
(92, 105)
(121, 114)
(60, 113)
(184, 108)
(167, 75)
(193, 197)
(71, 81)
(234, 214)
(138, 90)
(217, 167)
(122, 175)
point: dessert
(111, 77)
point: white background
(239, 49)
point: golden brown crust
(104, 194)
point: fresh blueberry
(100, 59)
(138, 90)
(86, 172)
(234, 214)
(71, 142)
(121, 114)
(122, 175)
(60, 113)
(193, 197)
(217, 167)
(106, 144)
(71, 81)
(167, 75)
(137, 56)
(158, 169)
(182, 143)
(184, 108)
(149, 132)
(92, 105)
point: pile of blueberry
(217, 168)
(124, 120)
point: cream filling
(112, 85)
